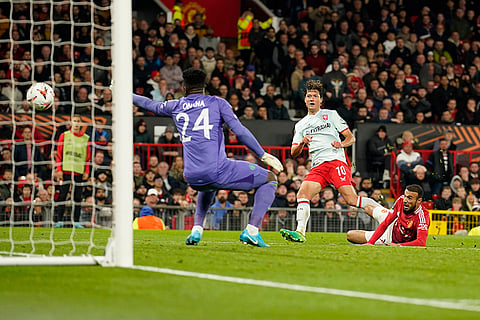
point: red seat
(435, 196)
(427, 205)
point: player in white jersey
(319, 130)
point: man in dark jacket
(440, 164)
(378, 153)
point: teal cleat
(257, 240)
(193, 238)
(293, 236)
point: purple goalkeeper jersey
(199, 120)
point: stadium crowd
(380, 61)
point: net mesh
(66, 44)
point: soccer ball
(41, 96)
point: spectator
(172, 73)
(221, 202)
(422, 178)
(448, 135)
(470, 115)
(378, 152)
(475, 187)
(279, 111)
(407, 159)
(444, 202)
(141, 134)
(280, 219)
(168, 137)
(474, 169)
(209, 40)
(147, 220)
(252, 81)
(26, 155)
(440, 164)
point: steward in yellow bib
(72, 165)
(244, 25)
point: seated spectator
(248, 113)
(475, 187)
(472, 203)
(352, 221)
(278, 112)
(444, 202)
(262, 113)
(407, 135)
(172, 73)
(252, 81)
(422, 178)
(147, 220)
(169, 137)
(474, 169)
(280, 219)
(407, 159)
(88, 216)
(332, 217)
(280, 196)
(221, 202)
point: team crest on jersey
(409, 224)
(325, 117)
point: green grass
(446, 269)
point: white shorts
(379, 214)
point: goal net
(66, 181)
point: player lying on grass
(406, 224)
(319, 131)
(200, 118)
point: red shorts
(335, 172)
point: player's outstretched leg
(263, 199)
(203, 203)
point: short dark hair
(314, 85)
(415, 188)
(194, 77)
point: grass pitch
(446, 270)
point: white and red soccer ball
(40, 96)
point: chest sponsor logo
(318, 128)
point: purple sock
(204, 201)
(263, 199)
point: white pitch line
(443, 304)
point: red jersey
(408, 229)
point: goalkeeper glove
(272, 161)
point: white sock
(363, 201)
(252, 230)
(198, 228)
(303, 213)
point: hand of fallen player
(272, 161)
(392, 244)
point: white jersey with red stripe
(324, 127)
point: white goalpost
(31, 230)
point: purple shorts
(236, 175)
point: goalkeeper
(199, 118)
